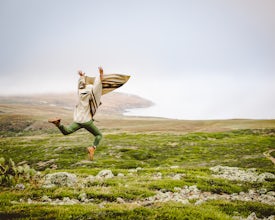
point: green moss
(244, 208)
(192, 153)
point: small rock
(262, 191)
(120, 200)
(82, 197)
(59, 179)
(89, 179)
(265, 176)
(199, 202)
(74, 201)
(178, 176)
(174, 167)
(271, 193)
(132, 171)
(57, 201)
(20, 186)
(45, 199)
(44, 164)
(120, 175)
(53, 166)
(157, 176)
(106, 174)
(252, 216)
(177, 188)
(194, 188)
(251, 192)
(102, 204)
(66, 199)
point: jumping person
(89, 96)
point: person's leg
(70, 129)
(89, 126)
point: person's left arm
(97, 88)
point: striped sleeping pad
(110, 82)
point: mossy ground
(191, 154)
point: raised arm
(100, 69)
(81, 81)
(97, 88)
(81, 73)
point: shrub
(12, 174)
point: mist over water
(208, 97)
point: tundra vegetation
(144, 168)
(138, 175)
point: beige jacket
(88, 100)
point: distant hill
(30, 113)
(18, 113)
(112, 103)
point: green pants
(89, 126)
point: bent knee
(66, 132)
(99, 136)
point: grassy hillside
(144, 165)
(144, 168)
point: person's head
(81, 84)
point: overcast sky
(199, 59)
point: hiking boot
(55, 121)
(91, 151)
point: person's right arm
(97, 88)
(100, 69)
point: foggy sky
(199, 59)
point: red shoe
(91, 151)
(55, 121)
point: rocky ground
(185, 195)
(221, 175)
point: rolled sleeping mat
(110, 82)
